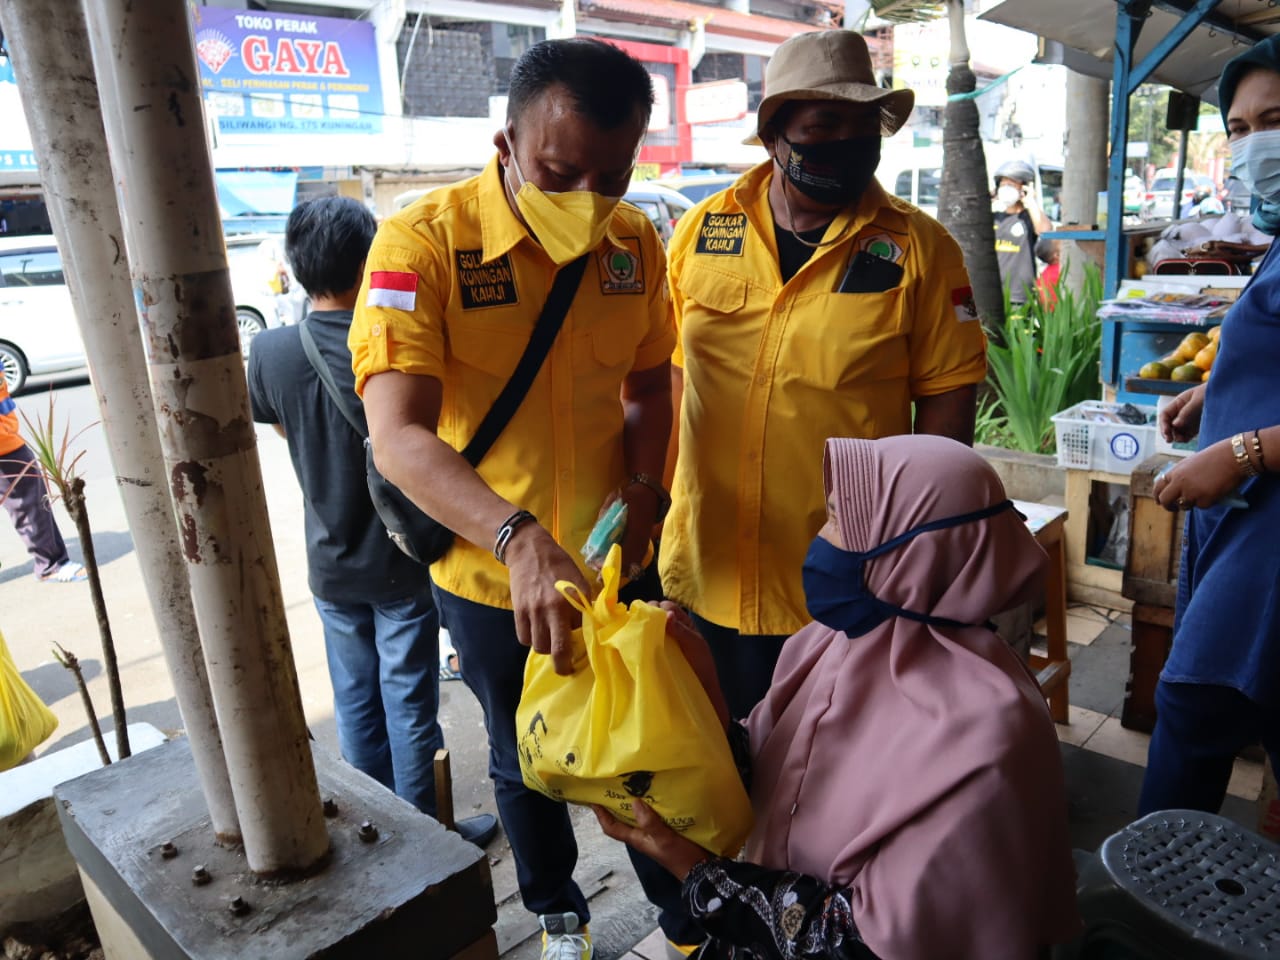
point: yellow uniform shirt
(453, 288)
(771, 370)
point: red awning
(676, 13)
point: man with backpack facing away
(381, 628)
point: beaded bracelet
(1257, 452)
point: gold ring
(1182, 503)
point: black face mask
(836, 172)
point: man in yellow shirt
(811, 304)
(453, 289)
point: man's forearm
(442, 483)
(647, 421)
(403, 411)
(951, 414)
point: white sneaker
(561, 939)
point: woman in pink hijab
(905, 772)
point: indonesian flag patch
(391, 288)
(962, 302)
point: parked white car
(38, 331)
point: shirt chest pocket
(717, 325)
(845, 340)
(486, 353)
(604, 350)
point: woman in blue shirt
(1220, 689)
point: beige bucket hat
(828, 65)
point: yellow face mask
(567, 225)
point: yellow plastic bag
(25, 722)
(631, 721)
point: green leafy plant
(59, 465)
(1046, 361)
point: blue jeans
(384, 664)
(1199, 730)
(744, 663)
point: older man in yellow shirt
(811, 304)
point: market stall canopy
(1087, 29)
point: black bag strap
(563, 289)
(355, 416)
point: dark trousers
(492, 664)
(744, 663)
(26, 499)
(1199, 730)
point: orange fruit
(1155, 370)
(1204, 359)
(1187, 373)
(1191, 344)
(1214, 333)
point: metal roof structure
(1182, 43)
(1087, 30)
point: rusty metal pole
(150, 91)
(66, 130)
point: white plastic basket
(1088, 441)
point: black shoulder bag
(414, 532)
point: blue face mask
(835, 583)
(1255, 161)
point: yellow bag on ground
(631, 721)
(25, 722)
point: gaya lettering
(301, 57)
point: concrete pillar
(65, 119)
(150, 89)
(565, 26)
(1085, 173)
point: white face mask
(1008, 195)
(1255, 161)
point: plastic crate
(1086, 441)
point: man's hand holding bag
(632, 721)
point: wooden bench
(1053, 670)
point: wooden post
(444, 790)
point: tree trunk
(72, 663)
(79, 511)
(964, 197)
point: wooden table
(1048, 523)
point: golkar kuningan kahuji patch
(481, 284)
(722, 234)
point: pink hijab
(918, 765)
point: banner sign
(287, 73)
(716, 101)
(15, 141)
